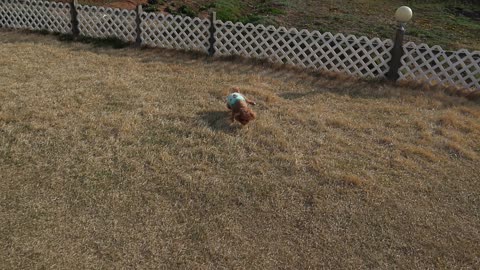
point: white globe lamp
(403, 14)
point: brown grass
(458, 150)
(414, 150)
(353, 180)
(125, 159)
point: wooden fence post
(397, 53)
(138, 21)
(211, 40)
(74, 18)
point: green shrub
(228, 10)
(187, 11)
(149, 8)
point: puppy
(237, 103)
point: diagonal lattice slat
(101, 22)
(175, 32)
(433, 65)
(357, 56)
(35, 15)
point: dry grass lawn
(124, 158)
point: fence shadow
(321, 81)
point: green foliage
(170, 10)
(420, 33)
(275, 11)
(152, 5)
(263, 13)
(257, 19)
(187, 11)
(228, 10)
(270, 8)
(149, 8)
(182, 10)
(207, 6)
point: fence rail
(359, 56)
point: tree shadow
(218, 121)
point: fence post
(397, 53)
(74, 18)
(211, 40)
(138, 30)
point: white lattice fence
(100, 22)
(175, 32)
(437, 66)
(357, 56)
(35, 15)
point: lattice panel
(35, 15)
(101, 22)
(437, 66)
(175, 32)
(357, 56)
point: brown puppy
(237, 103)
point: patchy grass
(450, 24)
(353, 180)
(413, 150)
(228, 10)
(123, 158)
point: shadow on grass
(292, 96)
(322, 81)
(218, 121)
(109, 42)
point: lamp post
(402, 15)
